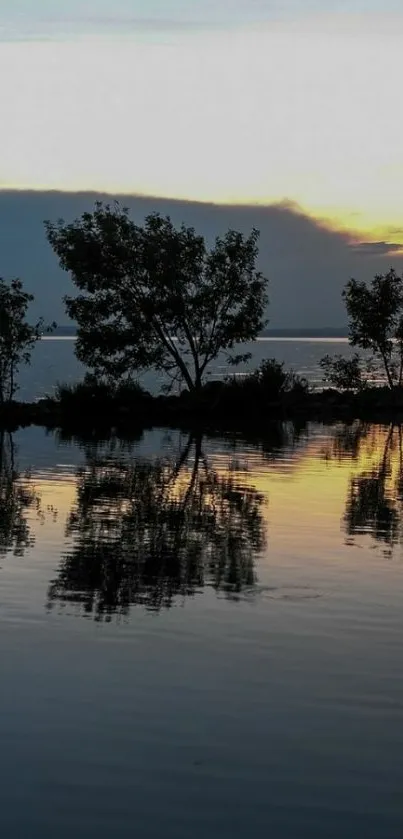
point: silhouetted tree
(17, 336)
(375, 324)
(155, 296)
(146, 531)
(17, 496)
(346, 373)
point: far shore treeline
(155, 296)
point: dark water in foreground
(202, 638)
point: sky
(307, 263)
(236, 102)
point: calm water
(54, 361)
(202, 638)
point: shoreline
(206, 411)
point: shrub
(273, 380)
(345, 373)
(270, 381)
(92, 393)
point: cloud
(307, 264)
(376, 248)
(212, 118)
(43, 20)
(57, 29)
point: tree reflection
(347, 441)
(375, 499)
(17, 496)
(149, 531)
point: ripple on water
(214, 718)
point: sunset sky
(231, 101)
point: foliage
(17, 336)
(376, 320)
(273, 379)
(345, 373)
(156, 296)
(92, 392)
(269, 382)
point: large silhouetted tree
(156, 296)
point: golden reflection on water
(127, 528)
(316, 478)
(276, 680)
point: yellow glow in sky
(311, 116)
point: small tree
(345, 373)
(17, 336)
(376, 320)
(155, 296)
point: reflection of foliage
(16, 497)
(146, 531)
(347, 440)
(271, 442)
(374, 503)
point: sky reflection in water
(215, 622)
(156, 519)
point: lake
(53, 361)
(202, 637)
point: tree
(17, 336)
(376, 321)
(346, 373)
(155, 296)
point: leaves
(17, 336)
(154, 296)
(376, 319)
(345, 373)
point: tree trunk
(387, 370)
(197, 381)
(11, 391)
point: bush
(92, 394)
(269, 382)
(274, 380)
(345, 373)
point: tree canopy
(376, 320)
(154, 295)
(17, 336)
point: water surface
(202, 637)
(54, 361)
